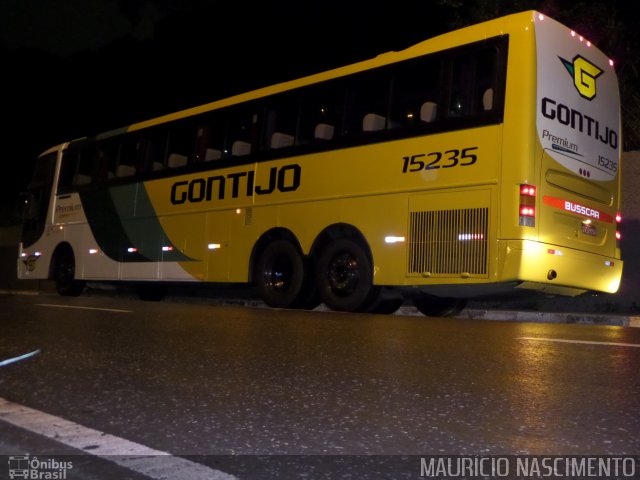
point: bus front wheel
(64, 272)
(345, 276)
(282, 277)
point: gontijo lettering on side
(282, 179)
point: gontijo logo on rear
(584, 75)
(578, 115)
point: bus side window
(280, 123)
(69, 167)
(77, 166)
(130, 157)
(210, 138)
(154, 149)
(181, 145)
(321, 113)
(84, 172)
(462, 86)
(105, 161)
(368, 104)
(241, 133)
(486, 79)
(416, 93)
(473, 77)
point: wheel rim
(344, 274)
(278, 276)
(66, 272)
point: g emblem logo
(584, 75)
(30, 262)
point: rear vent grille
(449, 242)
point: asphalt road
(195, 380)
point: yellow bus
(480, 162)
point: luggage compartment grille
(449, 242)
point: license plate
(589, 230)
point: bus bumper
(557, 270)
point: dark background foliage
(79, 67)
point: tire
(345, 277)
(282, 277)
(64, 272)
(388, 306)
(433, 306)
(387, 302)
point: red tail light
(527, 209)
(618, 225)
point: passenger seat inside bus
(428, 111)
(240, 148)
(487, 99)
(212, 154)
(323, 131)
(176, 160)
(281, 140)
(372, 122)
(125, 171)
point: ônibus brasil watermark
(34, 468)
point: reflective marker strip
(154, 464)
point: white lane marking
(9, 361)
(117, 310)
(147, 461)
(585, 342)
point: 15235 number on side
(434, 160)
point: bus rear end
(576, 201)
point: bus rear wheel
(283, 277)
(433, 306)
(345, 277)
(387, 306)
(64, 271)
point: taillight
(618, 228)
(527, 208)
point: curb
(553, 317)
(618, 320)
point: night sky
(77, 67)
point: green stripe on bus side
(106, 226)
(145, 230)
(122, 218)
